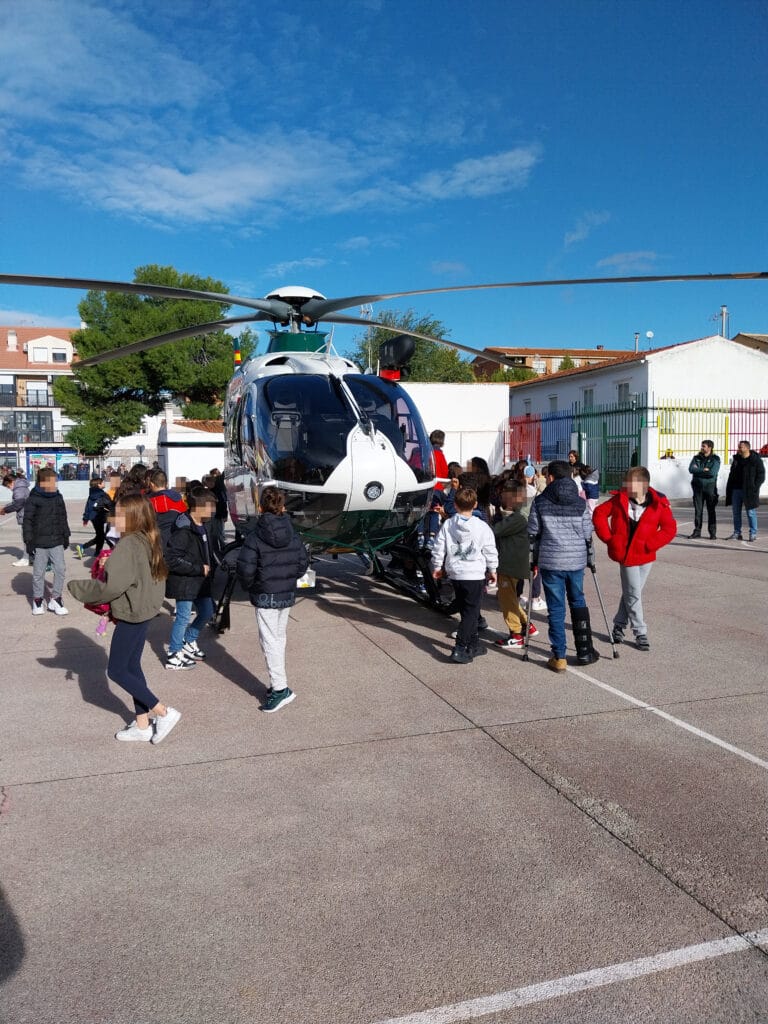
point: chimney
(600, 348)
(13, 341)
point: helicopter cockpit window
(394, 414)
(302, 424)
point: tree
(566, 363)
(508, 374)
(431, 362)
(110, 400)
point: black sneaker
(642, 642)
(179, 661)
(460, 655)
(277, 699)
(618, 635)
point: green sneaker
(276, 699)
(78, 551)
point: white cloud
(584, 226)
(481, 176)
(24, 318)
(290, 266)
(630, 262)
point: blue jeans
(181, 632)
(737, 498)
(560, 584)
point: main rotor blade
(318, 309)
(336, 318)
(164, 339)
(276, 308)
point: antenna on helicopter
(366, 312)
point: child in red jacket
(635, 522)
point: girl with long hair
(134, 587)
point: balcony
(16, 438)
(33, 400)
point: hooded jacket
(466, 547)
(168, 505)
(45, 522)
(560, 527)
(19, 495)
(272, 558)
(511, 533)
(655, 527)
(186, 555)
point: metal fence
(609, 437)
(683, 425)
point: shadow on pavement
(85, 660)
(11, 940)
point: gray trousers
(56, 555)
(630, 609)
(273, 624)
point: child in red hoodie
(635, 522)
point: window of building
(588, 399)
(553, 403)
(622, 391)
(555, 365)
(58, 356)
(527, 406)
(539, 365)
(39, 355)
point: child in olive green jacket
(511, 533)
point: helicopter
(348, 449)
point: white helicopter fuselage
(348, 449)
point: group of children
(555, 543)
(152, 543)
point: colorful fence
(610, 437)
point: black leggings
(100, 527)
(124, 667)
(469, 597)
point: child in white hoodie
(465, 552)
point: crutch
(531, 567)
(591, 564)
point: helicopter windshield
(394, 414)
(302, 426)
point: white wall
(473, 416)
(709, 368)
(604, 383)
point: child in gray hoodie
(465, 552)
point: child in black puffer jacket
(272, 559)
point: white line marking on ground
(573, 983)
(671, 718)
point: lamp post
(140, 450)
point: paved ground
(408, 841)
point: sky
(367, 146)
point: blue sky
(381, 145)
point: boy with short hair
(46, 535)
(167, 503)
(511, 533)
(635, 522)
(188, 557)
(465, 552)
(95, 511)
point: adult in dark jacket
(745, 479)
(46, 535)
(19, 488)
(704, 469)
(271, 561)
(560, 529)
(635, 522)
(189, 564)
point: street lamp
(140, 450)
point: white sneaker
(20, 562)
(38, 609)
(164, 724)
(539, 604)
(522, 601)
(192, 650)
(57, 607)
(132, 733)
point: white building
(474, 417)
(675, 386)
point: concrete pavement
(407, 839)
